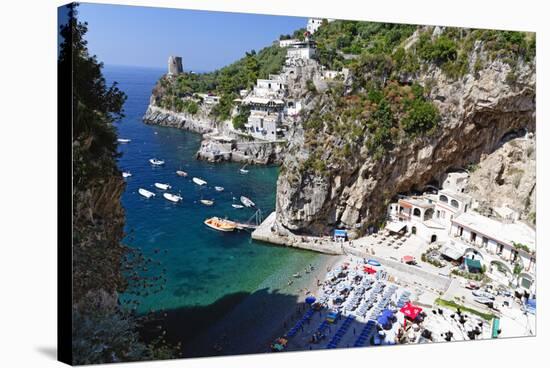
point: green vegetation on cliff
(225, 82)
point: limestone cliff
(507, 178)
(477, 112)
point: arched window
(454, 203)
(416, 212)
(443, 198)
(433, 239)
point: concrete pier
(269, 232)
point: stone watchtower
(175, 65)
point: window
(473, 237)
(460, 230)
(454, 203)
(500, 248)
(443, 198)
(513, 255)
(484, 241)
(416, 212)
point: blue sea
(201, 266)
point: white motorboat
(242, 170)
(145, 193)
(172, 197)
(247, 202)
(181, 173)
(483, 294)
(156, 162)
(126, 174)
(199, 181)
(484, 300)
(162, 186)
(219, 189)
(123, 140)
(234, 205)
(207, 202)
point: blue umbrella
(310, 300)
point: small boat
(126, 174)
(145, 193)
(247, 202)
(219, 189)
(219, 224)
(172, 197)
(123, 140)
(373, 262)
(296, 275)
(162, 186)
(207, 202)
(199, 181)
(181, 173)
(242, 170)
(234, 205)
(156, 162)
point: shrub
(423, 117)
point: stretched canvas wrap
(245, 183)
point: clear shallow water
(202, 265)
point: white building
(209, 98)
(264, 125)
(269, 88)
(304, 51)
(313, 24)
(289, 42)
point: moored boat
(162, 186)
(123, 140)
(156, 162)
(199, 181)
(247, 202)
(145, 193)
(126, 174)
(207, 202)
(219, 224)
(219, 189)
(243, 170)
(234, 205)
(172, 197)
(181, 173)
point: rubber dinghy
(181, 173)
(219, 189)
(247, 202)
(126, 174)
(199, 181)
(207, 202)
(145, 193)
(162, 186)
(156, 162)
(172, 197)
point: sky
(146, 36)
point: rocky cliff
(507, 178)
(478, 111)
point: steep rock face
(477, 112)
(507, 177)
(199, 123)
(98, 224)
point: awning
(340, 233)
(369, 270)
(407, 259)
(451, 252)
(395, 227)
(472, 264)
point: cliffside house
(304, 50)
(289, 42)
(209, 98)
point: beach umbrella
(373, 262)
(411, 311)
(352, 274)
(369, 270)
(310, 300)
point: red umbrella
(411, 311)
(369, 270)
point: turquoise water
(201, 265)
